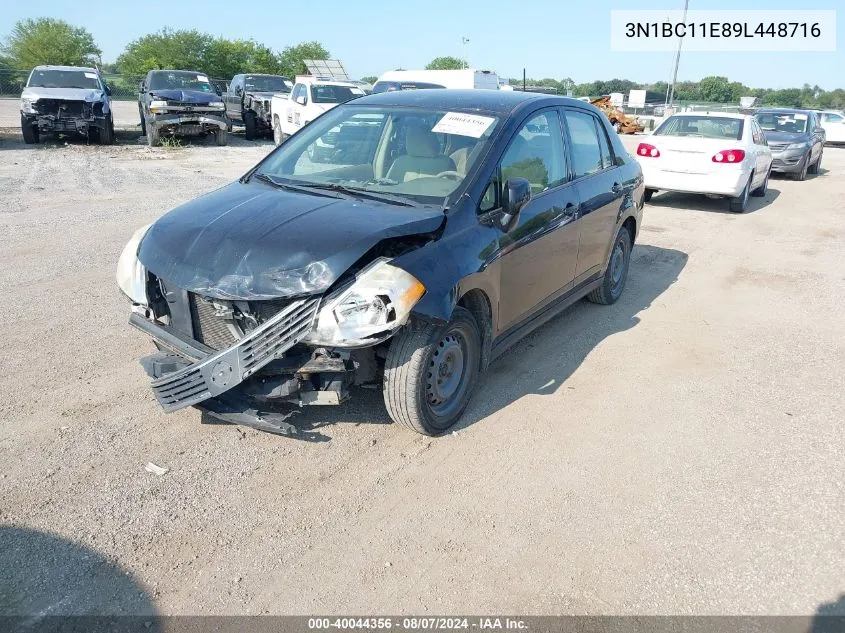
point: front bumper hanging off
(215, 372)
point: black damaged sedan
(438, 228)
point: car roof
(721, 115)
(54, 67)
(785, 110)
(501, 102)
(262, 75)
(178, 70)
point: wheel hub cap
(445, 370)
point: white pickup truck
(310, 97)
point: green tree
(370, 79)
(291, 58)
(445, 63)
(226, 58)
(166, 49)
(49, 41)
(714, 89)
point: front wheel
(277, 131)
(107, 132)
(617, 271)
(250, 126)
(221, 136)
(430, 373)
(647, 194)
(802, 173)
(815, 167)
(152, 135)
(29, 131)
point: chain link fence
(123, 87)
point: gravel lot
(679, 452)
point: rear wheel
(250, 126)
(29, 131)
(430, 373)
(648, 194)
(617, 271)
(740, 203)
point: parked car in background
(400, 268)
(66, 100)
(181, 103)
(717, 154)
(455, 79)
(833, 122)
(248, 101)
(310, 97)
(796, 139)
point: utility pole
(670, 91)
(465, 41)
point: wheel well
(631, 225)
(477, 302)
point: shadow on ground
(45, 579)
(698, 202)
(540, 364)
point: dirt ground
(678, 452)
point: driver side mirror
(516, 193)
(140, 86)
(106, 89)
(301, 99)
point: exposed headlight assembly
(158, 104)
(28, 106)
(797, 146)
(217, 104)
(131, 274)
(371, 309)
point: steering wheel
(449, 174)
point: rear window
(702, 127)
(390, 86)
(334, 94)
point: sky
(549, 38)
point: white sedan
(722, 154)
(833, 123)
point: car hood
(248, 241)
(787, 137)
(264, 95)
(66, 94)
(186, 96)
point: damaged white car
(66, 100)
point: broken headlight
(28, 106)
(131, 274)
(377, 303)
(157, 105)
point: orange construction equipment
(623, 123)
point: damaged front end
(66, 116)
(259, 103)
(236, 359)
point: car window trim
(497, 171)
(569, 151)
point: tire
(760, 191)
(277, 131)
(616, 274)
(802, 175)
(648, 194)
(143, 123)
(221, 137)
(250, 126)
(29, 131)
(152, 136)
(228, 124)
(815, 167)
(107, 133)
(421, 388)
(740, 203)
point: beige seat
(423, 157)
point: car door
(763, 155)
(538, 255)
(233, 98)
(600, 185)
(834, 127)
(818, 135)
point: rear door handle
(616, 188)
(570, 210)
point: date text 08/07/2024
(430, 623)
(722, 29)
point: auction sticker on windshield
(463, 124)
(202, 78)
(91, 75)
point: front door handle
(616, 188)
(570, 210)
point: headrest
(422, 143)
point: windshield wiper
(366, 193)
(316, 191)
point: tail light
(729, 156)
(644, 149)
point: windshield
(419, 154)
(334, 94)
(792, 122)
(390, 86)
(64, 79)
(267, 83)
(179, 80)
(702, 127)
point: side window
(606, 154)
(586, 150)
(536, 154)
(829, 117)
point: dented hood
(248, 241)
(64, 94)
(186, 96)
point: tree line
(37, 41)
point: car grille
(219, 372)
(209, 329)
(777, 147)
